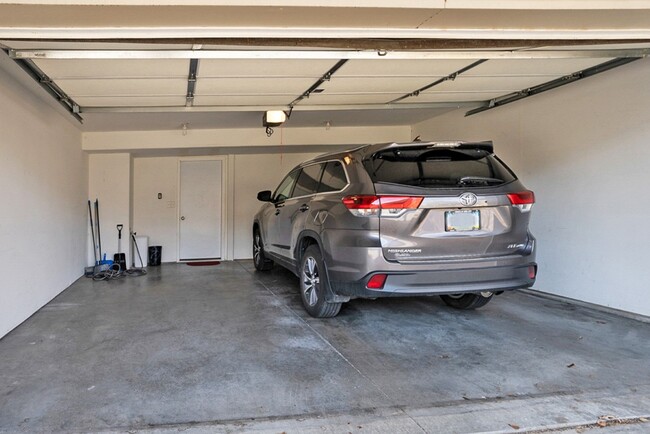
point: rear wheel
(262, 263)
(314, 285)
(467, 301)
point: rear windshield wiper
(479, 180)
(430, 181)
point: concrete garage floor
(225, 349)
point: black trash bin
(155, 254)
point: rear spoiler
(369, 150)
(453, 144)
(484, 146)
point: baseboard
(611, 310)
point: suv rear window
(441, 167)
(333, 177)
(308, 180)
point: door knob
(183, 217)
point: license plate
(462, 221)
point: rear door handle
(304, 207)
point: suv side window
(308, 180)
(334, 178)
(283, 192)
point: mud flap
(331, 297)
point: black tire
(314, 285)
(262, 263)
(467, 301)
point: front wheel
(314, 285)
(467, 301)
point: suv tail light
(523, 200)
(389, 206)
(376, 282)
(362, 206)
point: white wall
(585, 151)
(153, 217)
(250, 173)
(110, 183)
(242, 138)
(43, 218)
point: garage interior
(108, 101)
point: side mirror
(264, 196)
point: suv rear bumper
(427, 282)
(351, 266)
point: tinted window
(333, 177)
(308, 180)
(428, 167)
(284, 189)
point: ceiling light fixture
(273, 118)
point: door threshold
(185, 261)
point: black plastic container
(155, 255)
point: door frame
(224, 203)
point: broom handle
(92, 230)
(99, 236)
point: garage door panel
(244, 86)
(109, 68)
(521, 67)
(131, 101)
(323, 98)
(211, 68)
(103, 87)
(401, 68)
(483, 84)
(451, 97)
(243, 100)
(401, 85)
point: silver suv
(399, 219)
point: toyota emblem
(468, 199)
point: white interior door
(200, 209)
